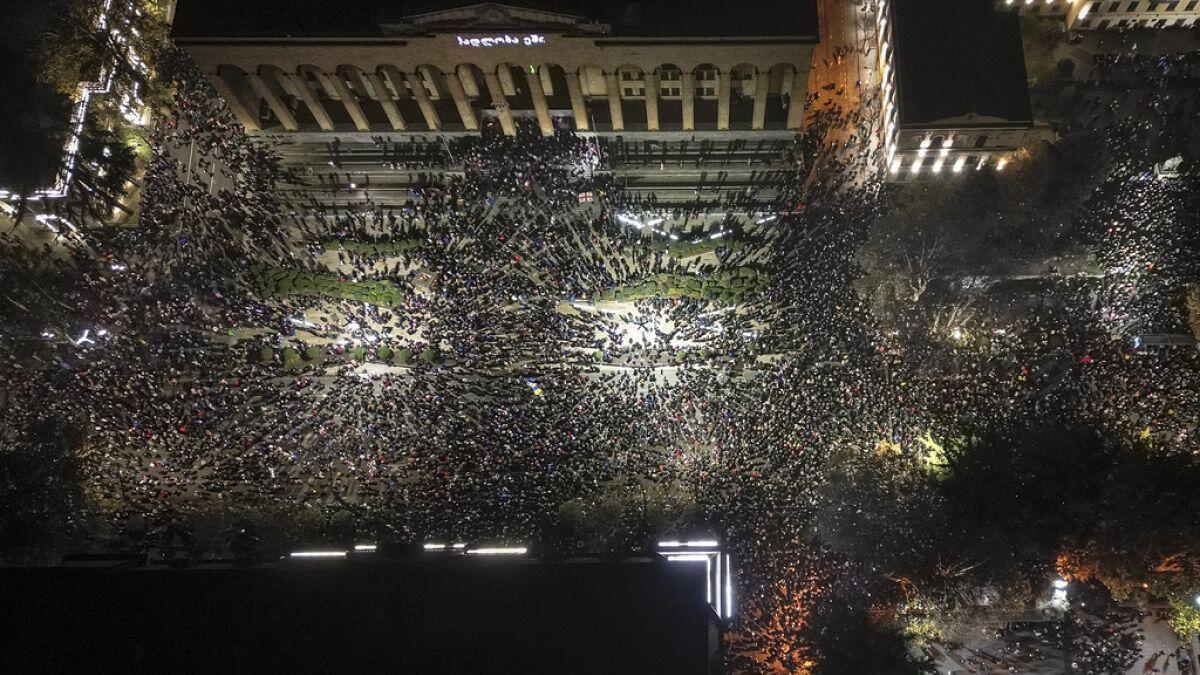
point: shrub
(384, 353)
(313, 353)
(358, 354)
(429, 355)
(266, 354)
(291, 358)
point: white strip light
(728, 589)
(434, 547)
(514, 550)
(694, 543)
(318, 554)
(365, 548)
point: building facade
(449, 68)
(1106, 14)
(955, 96)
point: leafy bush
(404, 357)
(266, 355)
(429, 355)
(291, 358)
(313, 353)
(384, 353)
(358, 354)
(279, 282)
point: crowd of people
(546, 391)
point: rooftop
(957, 57)
(365, 18)
(452, 615)
(33, 117)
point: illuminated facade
(449, 68)
(954, 87)
(1105, 14)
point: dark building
(445, 615)
(955, 85)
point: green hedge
(291, 358)
(377, 249)
(279, 283)
(733, 285)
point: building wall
(1105, 14)
(949, 146)
(954, 146)
(372, 84)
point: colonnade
(430, 98)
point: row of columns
(242, 100)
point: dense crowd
(544, 392)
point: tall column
(578, 106)
(614, 102)
(539, 103)
(385, 100)
(651, 90)
(465, 111)
(240, 107)
(315, 106)
(762, 81)
(795, 117)
(335, 85)
(416, 82)
(688, 90)
(723, 78)
(504, 72)
(277, 105)
(500, 103)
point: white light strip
(364, 548)
(516, 550)
(694, 543)
(434, 547)
(728, 589)
(715, 584)
(318, 554)
(460, 546)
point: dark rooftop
(33, 117)
(955, 57)
(411, 616)
(628, 18)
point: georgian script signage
(502, 40)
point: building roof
(957, 57)
(626, 18)
(34, 119)
(468, 614)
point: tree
(1185, 615)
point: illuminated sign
(502, 40)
